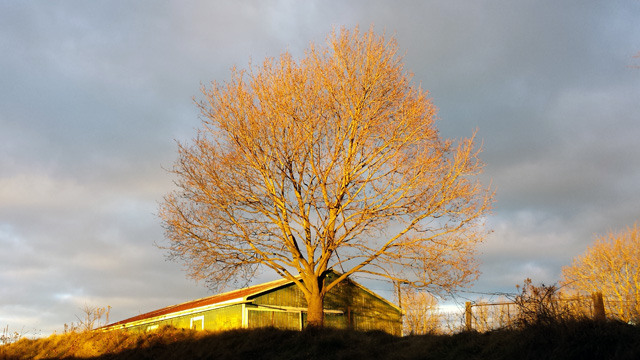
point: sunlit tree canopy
(610, 266)
(329, 161)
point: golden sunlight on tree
(421, 313)
(330, 161)
(611, 266)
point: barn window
(197, 323)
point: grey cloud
(94, 94)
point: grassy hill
(574, 340)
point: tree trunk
(315, 315)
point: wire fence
(485, 316)
(517, 312)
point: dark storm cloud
(93, 95)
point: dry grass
(93, 344)
(567, 340)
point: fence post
(467, 316)
(598, 306)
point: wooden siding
(226, 318)
(364, 311)
(336, 321)
(289, 320)
(289, 296)
(361, 310)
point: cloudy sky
(93, 95)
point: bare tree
(91, 319)
(421, 313)
(610, 266)
(333, 161)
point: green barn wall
(290, 296)
(349, 307)
(288, 320)
(225, 318)
(361, 310)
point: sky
(95, 94)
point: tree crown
(330, 161)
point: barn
(278, 304)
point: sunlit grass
(565, 340)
